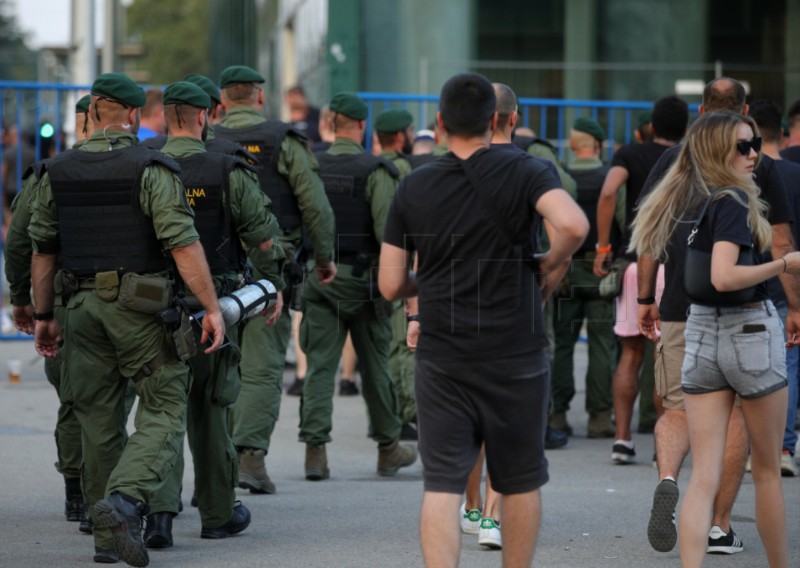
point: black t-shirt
(476, 299)
(792, 153)
(789, 172)
(674, 301)
(638, 160)
(726, 220)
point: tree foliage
(17, 62)
(174, 34)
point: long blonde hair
(705, 163)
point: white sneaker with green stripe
(489, 533)
(470, 520)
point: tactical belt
(87, 283)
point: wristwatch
(415, 317)
(43, 316)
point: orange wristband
(604, 249)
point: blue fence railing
(550, 119)
(27, 106)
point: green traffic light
(47, 130)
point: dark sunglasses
(744, 146)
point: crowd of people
(154, 215)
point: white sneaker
(788, 465)
(470, 520)
(489, 533)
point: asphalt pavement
(595, 513)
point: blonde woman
(730, 349)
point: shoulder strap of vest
(395, 173)
(156, 142)
(156, 157)
(294, 132)
(37, 168)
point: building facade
(577, 49)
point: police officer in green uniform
(17, 250)
(544, 150)
(230, 209)
(580, 300)
(115, 213)
(395, 134)
(287, 172)
(212, 143)
(360, 188)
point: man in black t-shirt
(482, 362)
(630, 166)
(671, 434)
(767, 115)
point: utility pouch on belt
(227, 379)
(185, 344)
(145, 294)
(65, 283)
(106, 285)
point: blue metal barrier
(32, 103)
(537, 114)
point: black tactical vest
(590, 182)
(345, 179)
(219, 145)
(205, 179)
(101, 224)
(263, 142)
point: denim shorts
(741, 348)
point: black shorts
(502, 403)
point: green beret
(645, 117)
(239, 74)
(589, 126)
(393, 120)
(184, 92)
(349, 104)
(83, 104)
(119, 87)
(206, 84)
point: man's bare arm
(47, 333)
(394, 280)
(606, 207)
(649, 314)
(783, 244)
